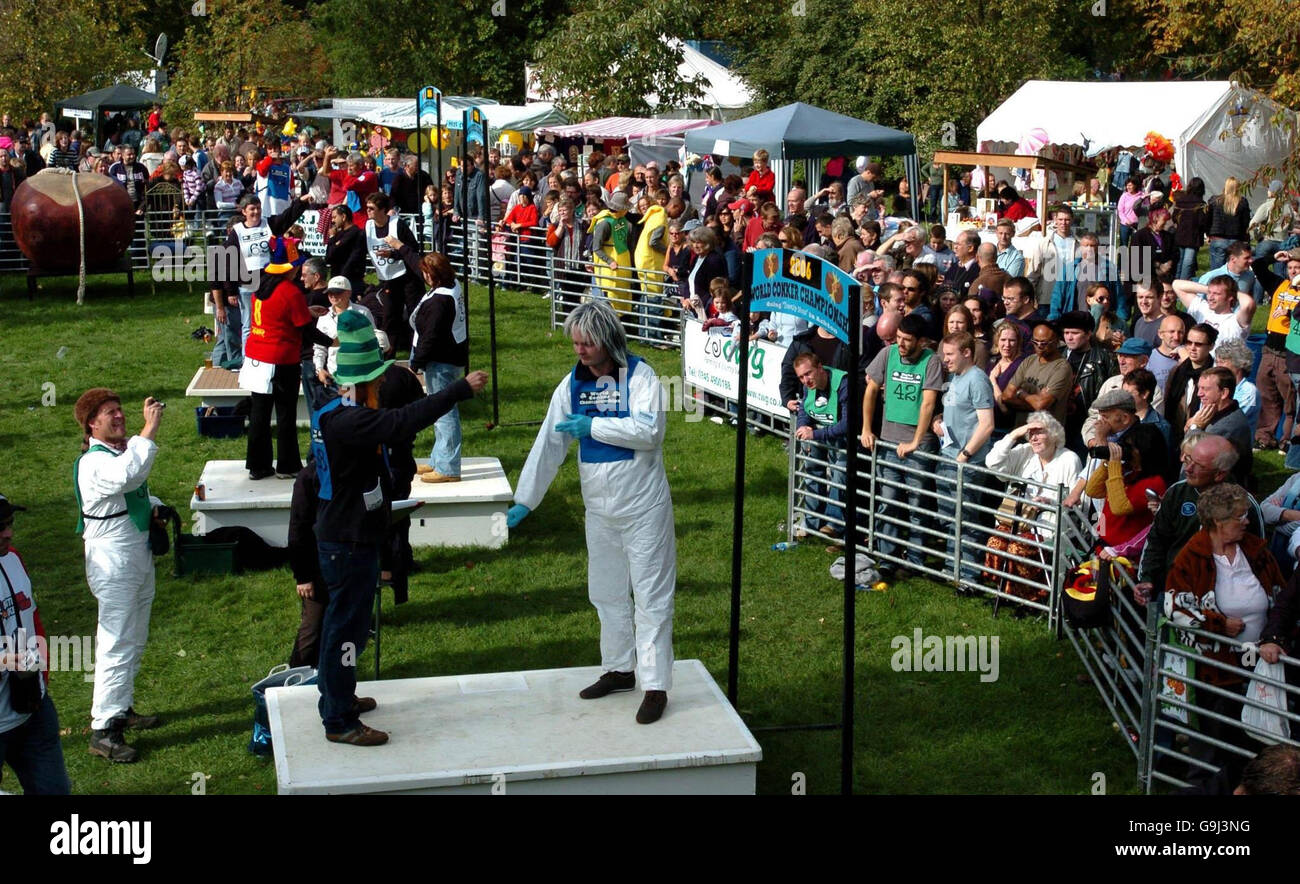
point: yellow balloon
(419, 140)
(291, 127)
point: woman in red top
(351, 185)
(1123, 481)
(280, 317)
(1012, 205)
(521, 219)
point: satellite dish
(159, 50)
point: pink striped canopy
(623, 128)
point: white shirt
(1226, 324)
(1237, 593)
(328, 325)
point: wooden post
(943, 197)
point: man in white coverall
(610, 403)
(115, 510)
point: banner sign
(474, 131)
(711, 363)
(803, 285)
(430, 98)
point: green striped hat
(360, 358)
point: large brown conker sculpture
(46, 225)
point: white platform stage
(470, 512)
(524, 732)
(218, 387)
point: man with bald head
(1208, 460)
(1165, 356)
(991, 279)
(881, 335)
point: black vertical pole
(492, 294)
(464, 220)
(437, 140)
(738, 503)
(854, 381)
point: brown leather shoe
(359, 736)
(362, 705)
(434, 477)
(422, 468)
(652, 707)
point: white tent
(724, 94)
(1218, 128)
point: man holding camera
(110, 480)
(29, 726)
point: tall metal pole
(738, 502)
(437, 139)
(464, 221)
(492, 296)
(854, 417)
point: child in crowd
(721, 319)
(227, 189)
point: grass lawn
(1034, 730)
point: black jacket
(345, 253)
(352, 436)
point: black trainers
(609, 683)
(135, 721)
(109, 743)
(257, 475)
(652, 707)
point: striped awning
(623, 128)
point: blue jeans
(351, 572)
(445, 456)
(1268, 248)
(1186, 263)
(35, 754)
(917, 503)
(1219, 251)
(972, 494)
(834, 473)
(229, 350)
(245, 319)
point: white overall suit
(119, 571)
(631, 546)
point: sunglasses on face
(1037, 343)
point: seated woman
(1226, 582)
(1134, 468)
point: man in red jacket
(272, 370)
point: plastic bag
(1269, 695)
(279, 676)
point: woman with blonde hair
(1229, 222)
